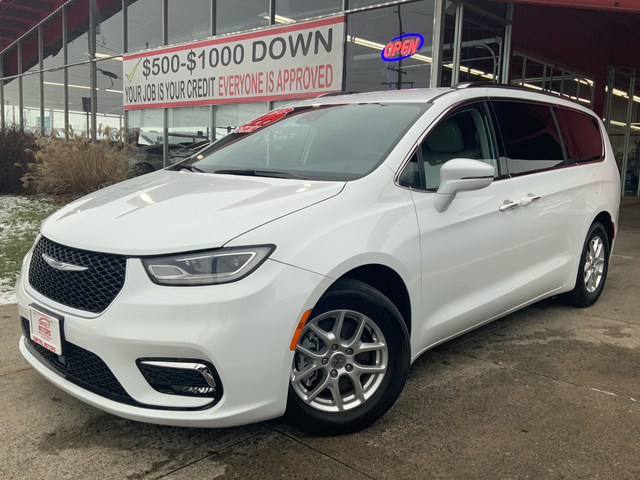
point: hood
(170, 212)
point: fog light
(194, 378)
(193, 390)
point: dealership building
(180, 71)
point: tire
(334, 389)
(593, 268)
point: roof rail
(335, 94)
(526, 88)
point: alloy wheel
(340, 361)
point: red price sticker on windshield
(263, 120)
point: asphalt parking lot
(551, 392)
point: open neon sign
(405, 48)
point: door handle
(509, 205)
(529, 199)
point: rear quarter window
(530, 136)
(581, 135)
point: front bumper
(244, 329)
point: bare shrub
(17, 148)
(77, 167)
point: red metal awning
(610, 5)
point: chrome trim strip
(62, 266)
(199, 367)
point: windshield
(333, 142)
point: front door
(469, 250)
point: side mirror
(461, 175)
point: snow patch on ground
(20, 218)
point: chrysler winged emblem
(64, 267)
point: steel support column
(438, 40)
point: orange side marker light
(301, 324)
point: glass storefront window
(145, 126)
(496, 8)
(370, 31)
(109, 82)
(189, 20)
(108, 29)
(31, 84)
(448, 44)
(78, 89)
(234, 16)
(145, 24)
(52, 42)
(632, 176)
(10, 87)
(54, 101)
(618, 115)
(228, 117)
(301, 9)
(189, 125)
(482, 47)
(77, 32)
(11, 102)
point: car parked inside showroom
(301, 263)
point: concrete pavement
(550, 392)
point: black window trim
(416, 150)
(602, 140)
(553, 106)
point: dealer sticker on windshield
(45, 330)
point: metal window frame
(1, 91)
(20, 101)
(627, 130)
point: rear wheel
(351, 361)
(592, 272)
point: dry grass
(16, 152)
(77, 167)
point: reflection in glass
(228, 117)
(448, 44)
(618, 115)
(78, 89)
(11, 107)
(367, 34)
(31, 83)
(234, 16)
(145, 131)
(145, 126)
(53, 101)
(77, 33)
(108, 29)
(145, 24)
(52, 43)
(11, 102)
(481, 50)
(189, 124)
(300, 9)
(189, 20)
(109, 82)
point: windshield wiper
(191, 168)
(252, 172)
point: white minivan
(301, 263)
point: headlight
(223, 265)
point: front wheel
(351, 361)
(592, 272)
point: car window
(580, 134)
(462, 134)
(410, 176)
(530, 136)
(332, 142)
